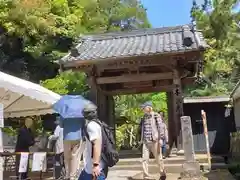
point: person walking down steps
(151, 129)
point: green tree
(219, 24)
(98, 17)
(68, 83)
(34, 34)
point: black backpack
(109, 153)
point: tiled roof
(137, 43)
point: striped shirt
(153, 128)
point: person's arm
(55, 135)
(94, 133)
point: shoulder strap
(85, 131)
(97, 121)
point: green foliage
(10, 131)
(120, 137)
(219, 24)
(67, 83)
(34, 34)
(128, 106)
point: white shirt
(94, 131)
(58, 136)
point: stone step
(136, 153)
(129, 175)
(171, 160)
(170, 168)
(34, 175)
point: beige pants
(156, 150)
(72, 157)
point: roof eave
(77, 62)
(188, 100)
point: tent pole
(1, 140)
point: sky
(168, 12)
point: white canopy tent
(24, 98)
(19, 98)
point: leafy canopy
(219, 22)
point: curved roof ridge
(133, 33)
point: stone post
(191, 168)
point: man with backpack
(152, 135)
(100, 152)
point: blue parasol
(71, 106)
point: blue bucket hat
(148, 103)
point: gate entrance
(140, 61)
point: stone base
(191, 170)
(180, 152)
(140, 176)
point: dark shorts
(85, 176)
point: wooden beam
(134, 63)
(183, 55)
(188, 80)
(166, 88)
(134, 78)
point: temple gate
(140, 61)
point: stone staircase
(173, 164)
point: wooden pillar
(180, 114)
(171, 122)
(92, 95)
(111, 111)
(177, 107)
(106, 109)
(111, 114)
(104, 102)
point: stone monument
(191, 168)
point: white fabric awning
(24, 98)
